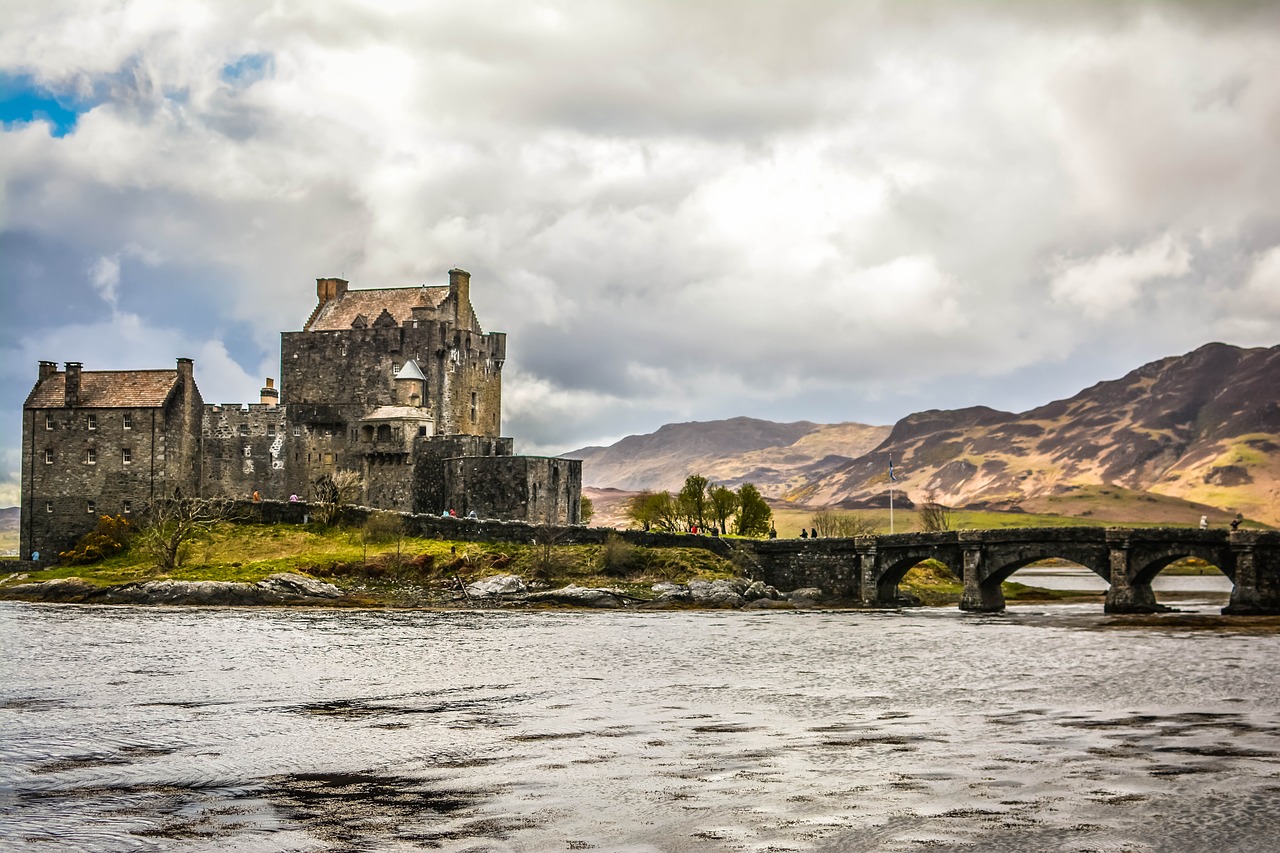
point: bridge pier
(1124, 595)
(868, 586)
(978, 596)
(1255, 591)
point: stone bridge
(867, 569)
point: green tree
(692, 501)
(724, 503)
(653, 511)
(586, 510)
(754, 515)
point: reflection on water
(1049, 727)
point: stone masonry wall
(244, 451)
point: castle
(400, 385)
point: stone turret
(411, 385)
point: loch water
(1045, 728)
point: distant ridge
(1202, 427)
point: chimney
(47, 369)
(269, 396)
(186, 372)
(328, 289)
(460, 292)
(73, 384)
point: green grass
(248, 553)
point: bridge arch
(897, 564)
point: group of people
(1235, 522)
(449, 513)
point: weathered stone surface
(719, 593)
(808, 596)
(496, 586)
(673, 592)
(290, 583)
(579, 596)
(283, 588)
(768, 604)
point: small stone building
(401, 385)
(104, 442)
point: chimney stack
(328, 289)
(47, 369)
(72, 398)
(269, 396)
(186, 372)
(460, 291)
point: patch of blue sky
(23, 101)
(248, 69)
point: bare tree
(171, 525)
(332, 492)
(381, 528)
(829, 523)
(934, 516)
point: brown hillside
(1202, 428)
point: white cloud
(676, 210)
(1113, 282)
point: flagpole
(891, 493)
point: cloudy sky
(685, 210)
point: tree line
(703, 505)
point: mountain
(1203, 427)
(777, 456)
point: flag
(892, 478)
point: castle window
(91, 457)
(48, 422)
(244, 429)
(126, 455)
(422, 430)
(297, 431)
(91, 507)
(473, 406)
(384, 432)
(48, 506)
(271, 429)
(128, 420)
(48, 457)
(93, 421)
(128, 507)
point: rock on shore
(281, 588)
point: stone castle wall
(244, 451)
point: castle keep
(401, 385)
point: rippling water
(1049, 728)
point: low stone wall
(483, 529)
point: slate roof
(106, 389)
(399, 302)
(410, 371)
